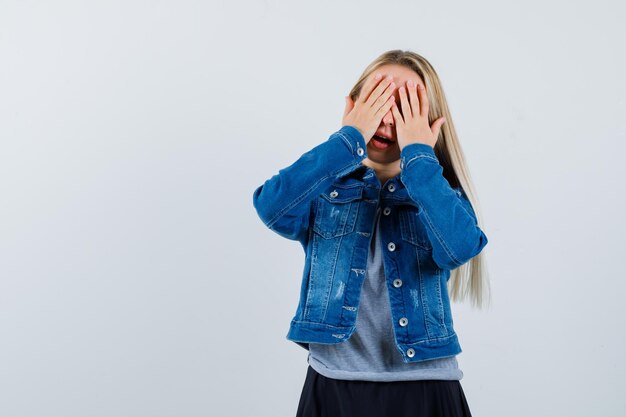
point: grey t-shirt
(371, 354)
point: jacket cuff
(414, 151)
(354, 140)
(355, 144)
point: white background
(135, 276)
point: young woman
(385, 212)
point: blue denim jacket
(327, 200)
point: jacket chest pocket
(336, 211)
(412, 229)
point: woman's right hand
(368, 110)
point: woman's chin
(389, 154)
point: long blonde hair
(470, 279)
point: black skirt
(329, 397)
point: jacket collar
(367, 176)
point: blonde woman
(387, 217)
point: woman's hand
(366, 113)
(412, 125)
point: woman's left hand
(412, 125)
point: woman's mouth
(380, 142)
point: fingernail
(377, 77)
(410, 83)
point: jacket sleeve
(446, 212)
(284, 201)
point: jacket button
(391, 187)
(359, 151)
(402, 163)
(391, 246)
(397, 282)
(404, 321)
(386, 211)
(334, 194)
(410, 353)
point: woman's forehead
(400, 74)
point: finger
(423, 97)
(378, 91)
(369, 85)
(404, 102)
(399, 109)
(385, 108)
(384, 97)
(349, 106)
(396, 113)
(414, 100)
(436, 128)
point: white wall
(135, 276)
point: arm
(283, 202)
(446, 212)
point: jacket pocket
(412, 229)
(337, 210)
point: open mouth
(380, 142)
(382, 139)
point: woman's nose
(388, 118)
